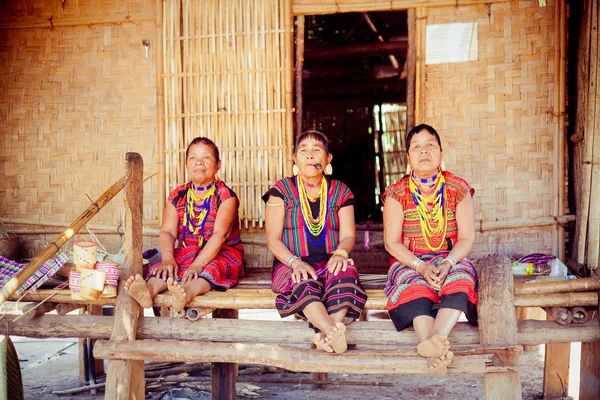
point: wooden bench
(492, 349)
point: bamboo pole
(288, 45)
(263, 299)
(160, 107)
(586, 174)
(31, 268)
(593, 136)
(574, 285)
(312, 7)
(411, 70)
(420, 84)
(530, 332)
(299, 69)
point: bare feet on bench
(336, 338)
(178, 293)
(137, 288)
(319, 341)
(438, 366)
(436, 346)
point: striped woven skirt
(410, 296)
(336, 292)
(223, 272)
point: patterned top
(178, 198)
(295, 237)
(412, 237)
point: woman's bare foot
(178, 293)
(336, 338)
(436, 346)
(137, 288)
(438, 366)
(319, 341)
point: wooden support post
(125, 379)
(589, 381)
(223, 375)
(498, 324)
(556, 368)
(83, 353)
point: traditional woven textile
(8, 269)
(44, 273)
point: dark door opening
(354, 90)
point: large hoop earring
(295, 170)
(328, 169)
(442, 166)
(408, 169)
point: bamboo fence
(227, 76)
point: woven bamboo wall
(227, 75)
(73, 100)
(494, 118)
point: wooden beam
(257, 299)
(498, 323)
(35, 310)
(397, 361)
(556, 368)
(357, 50)
(311, 7)
(589, 382)
(125, 379)
(287, 332)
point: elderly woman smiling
(310, 231)
(202, 216)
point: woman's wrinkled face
(201, 164)
(424, 154)
(311, 157)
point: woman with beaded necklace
(429, 230)
(202, 216)
(310, 230)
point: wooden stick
(472, 359)
(65, 308)
(562, 315)
(572, 285)
(160, 106)
(31, 268)
(34, 310)
(531, 332)
(580, 315)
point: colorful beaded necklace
(314, 226)
(196, 211)
(433, 222)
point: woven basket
(9, 247)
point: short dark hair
(206, 141)
(312, 135)
(419, 128)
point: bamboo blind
(393, 142)
(227, 75)
(495, 119)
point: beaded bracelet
(341, 252)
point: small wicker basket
(9, 245)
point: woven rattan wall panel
(494, 117)
(73, 101)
